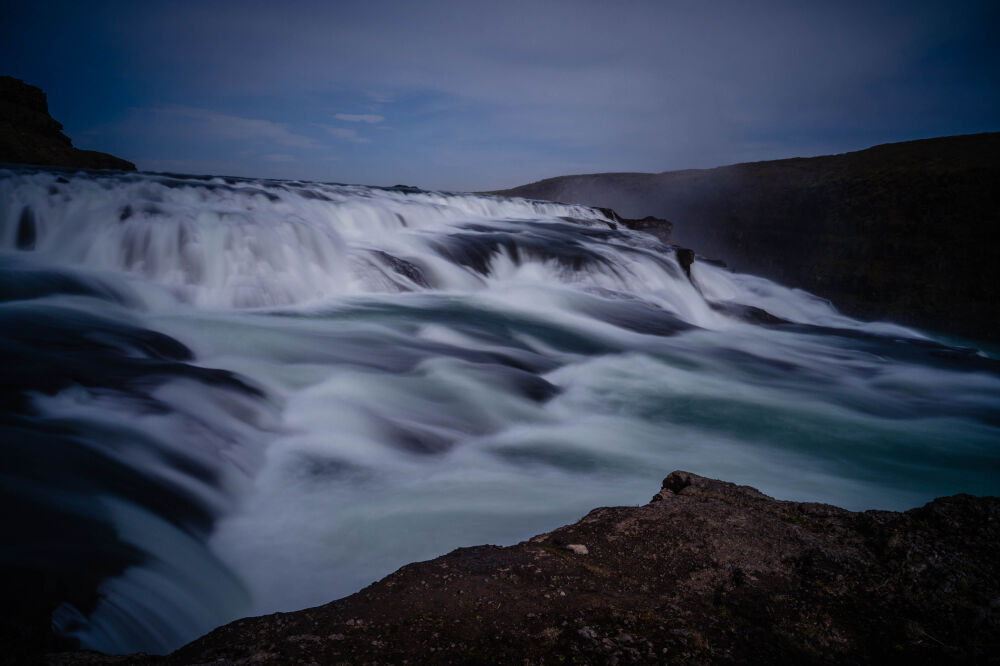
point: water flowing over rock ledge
(706, 572)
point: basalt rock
(685, 257)
(29, 135)
(656, 226)
(708, 572)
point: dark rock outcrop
(707, 573)
(904, 231)
(656, 226)
(685, 257)
(29, 135)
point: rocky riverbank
(707, 572)
(29, 135)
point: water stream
(226, 396)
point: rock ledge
(708, 572)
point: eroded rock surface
(708, 572)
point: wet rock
(402, 267)
(685, 258)
(747, 313)
(658, 227)
(26, 233)
(710, 573)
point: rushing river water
(225, 397)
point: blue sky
(474, 95)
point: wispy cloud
(189, 139)
(380, 96)
(345, 133)
(582, 85)
(359, 117)
(227, 126)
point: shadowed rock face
(708, 572)
(903, 231)
(29, 135)
(662, 229)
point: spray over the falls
(232, 396)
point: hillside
(29, 135)
(905, 231)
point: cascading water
(224, 397)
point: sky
(487, 95)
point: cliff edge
(29, 135)
(903, 231)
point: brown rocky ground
(29, 135)
(708, 572)
(903, 231)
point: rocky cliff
(708, 572)
(904, 231)
(29, 135)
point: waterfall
(232, 396)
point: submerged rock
(29, 135)
(708, 572)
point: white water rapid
(227, 396)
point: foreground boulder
(708, 572)
(29, 135)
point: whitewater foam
(259, 395)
